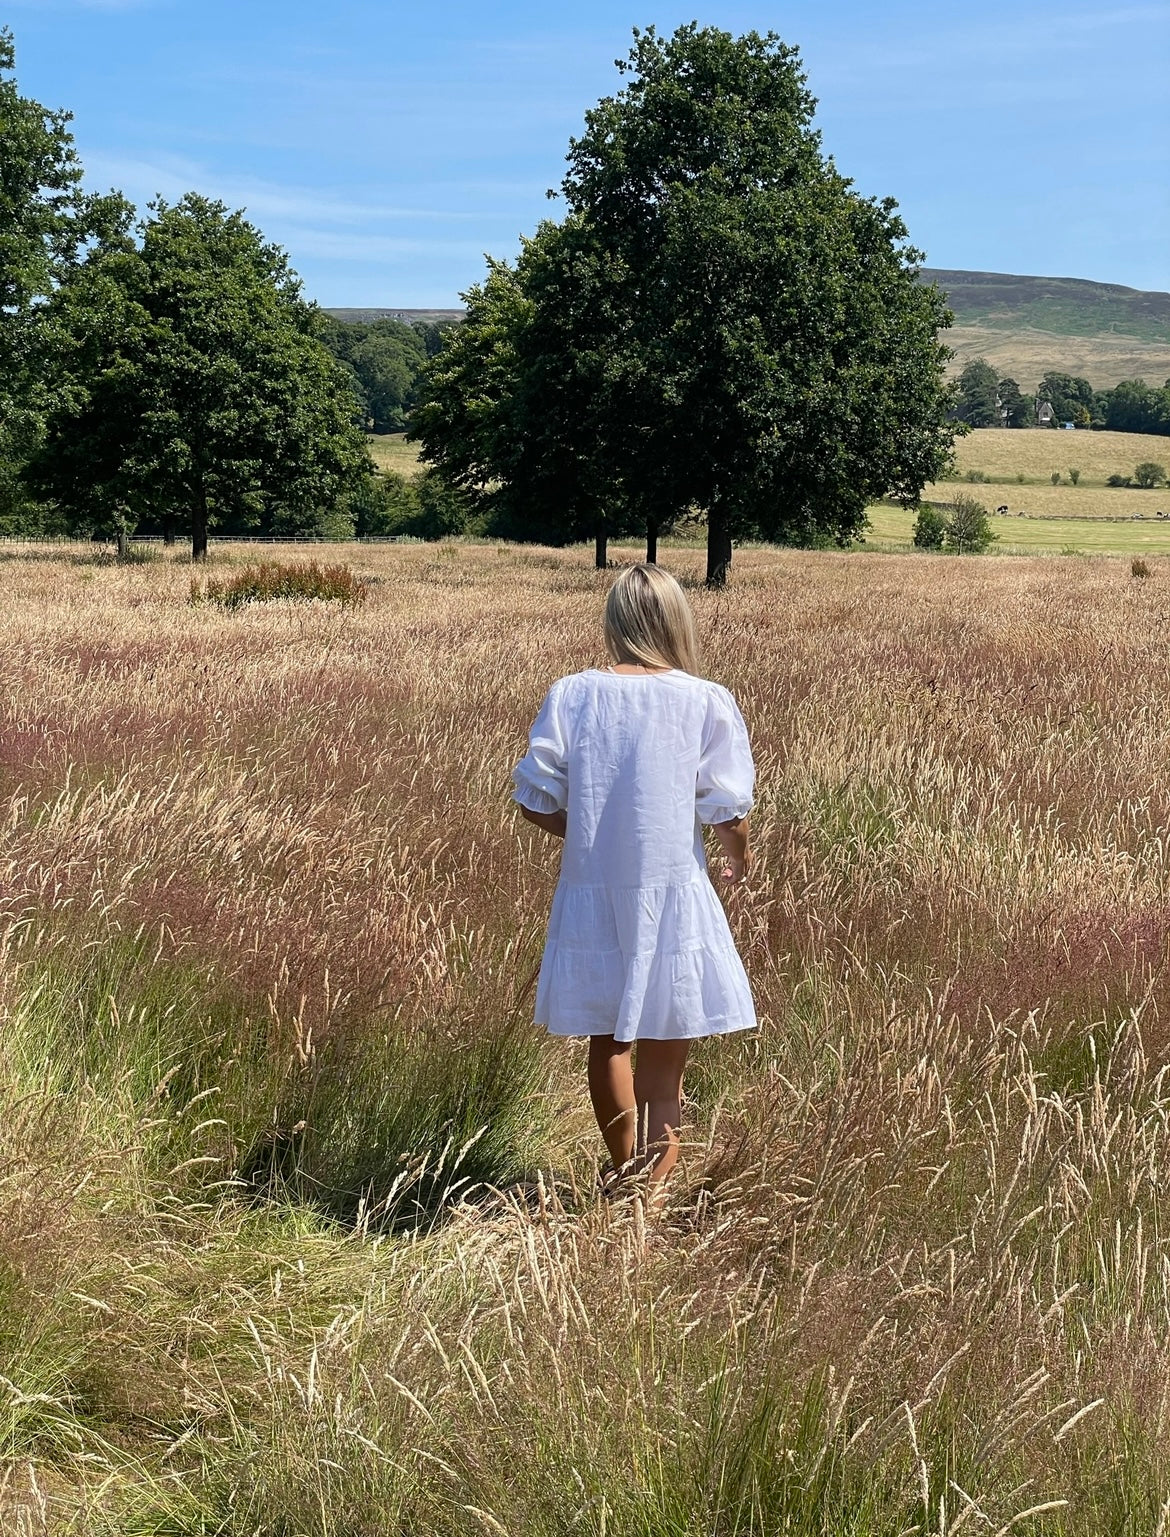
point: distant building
(1045, 415)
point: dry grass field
(1004, 453)
(298, 1235)
(1026, 355)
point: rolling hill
(1026, 325)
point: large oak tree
(197, 391)
(721, 323)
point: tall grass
(298, 1231)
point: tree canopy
(979, 395)
(195, 388)
(385, 359)
(720, 323)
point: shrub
(1055, 477)
(270, 580)
(1074, 477)
(1020, 477)
(930, 528)
(976, 476)
(1148, 474)
(1119, 480)
(1140, 567)
(968, 530)
(443, 509)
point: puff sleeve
(540, 779)
(727, 775)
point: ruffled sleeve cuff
(714, 810)
(727, 775)
(535, 797)
(540, 779)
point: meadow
(1004, 453)
(892, 529)
(298, 1228)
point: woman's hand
(737, 856)
(736, 871)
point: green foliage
(978, 404)
(976, 477)
(1074, 477)
(720, 322)
(268, 581)
(968, 530)
(426, 507)
(1016, 409)
(1055, 477)
(385, 360)
(1133, 406)
(1148, 474)
(930, 528)
(197, 391)
(443, 508)
(1119, 480)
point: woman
(625, 763)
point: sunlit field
(298, 1222)
(391, 451)
(892, 528)
(1004, 452)
(1019, 466)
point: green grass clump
(270, 580)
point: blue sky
(387, 147)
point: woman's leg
(658, 1095)
(611, 1088)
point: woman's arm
(733, 840)
(551, 821)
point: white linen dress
(638, 942)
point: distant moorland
(1024, 326)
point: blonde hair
(649, 621)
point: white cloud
(170, 176)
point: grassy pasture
(269, 932)
(1003, 453)
(391, 451)
(891, 528)
(1042, 500)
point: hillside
(368, 316)
(1002, 301)
(1027, 325)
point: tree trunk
(718, 550)
(651, 541)
(123, 545)
(168, 533)
(199, 529)
(600, 545)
